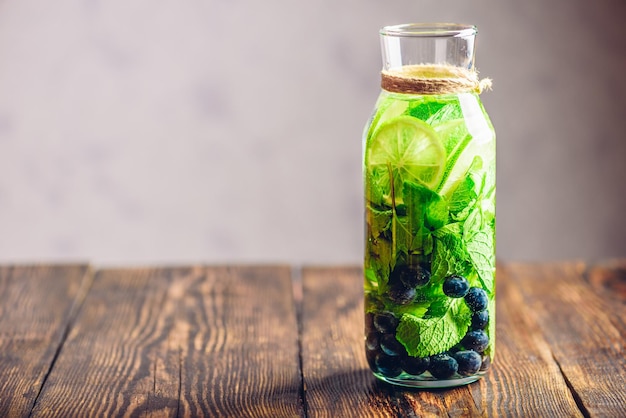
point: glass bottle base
(426, 383)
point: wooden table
(273, 341)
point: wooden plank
(180, 342)
(37, 304)
(118, 358)
(524, 381)
(585, 332)
(337, 381)
(241, 353)
(609, 278)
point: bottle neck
(441, 44)
(434, 58)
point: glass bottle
(429, 177)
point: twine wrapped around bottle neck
(433, 79)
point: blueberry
(455, 286)
(391, 346)
(442, 366)
(469, 362)
(401, 294)
(387, 365)
(476, 299)
(476, 340)
(372, 341)
(385, 322)
(480, 320)
(415, 365)
(411, 276)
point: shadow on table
(354, 390)
(344, 393)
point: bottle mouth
(430, 30)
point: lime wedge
(406, 149)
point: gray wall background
(220, 131)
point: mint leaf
(378, 261)
(462, 215)
(403, 237)
(481, 252)
(378, 254)
(378, 221)
(373, 192)
(437, 213)
(438, 307)
(453, 228)
(488, 205)
(412, 220)
(417, 309)
(463, 195)
(425, 208)
(425, 337)
(449, 253)
(473, 224)
(427, 244)
(476, 173)
(479, 242)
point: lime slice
(407, 149)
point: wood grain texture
(585, 331)
(180, 342)
(609, 278)
(225, 341)
(524, 381)
(337, 380)
(241, 353)
(118, 358)
(37, 304)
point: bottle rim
(430, 30)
